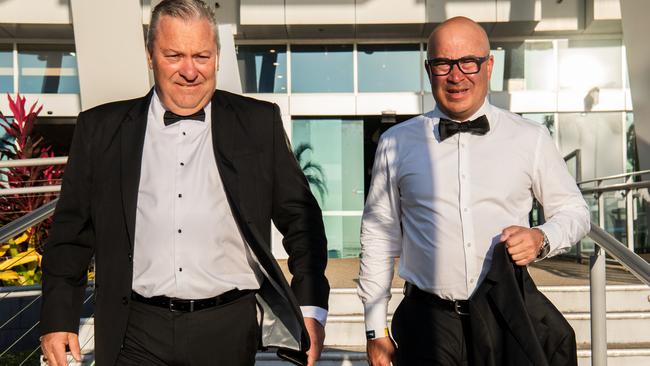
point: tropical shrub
(20, 256)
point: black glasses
(467, 65)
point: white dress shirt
(187, 242)
(441, 205)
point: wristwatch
(546, 246)
(370, 334)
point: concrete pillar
(110, 50)
(634, 15)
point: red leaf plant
(20, 142)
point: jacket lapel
(132, 142)
(224, 123)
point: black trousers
(427, 334)
(225, 335)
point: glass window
(389, 68)
(521, 66)
(6, 69)
(321, 69)
(330, 152)
(630, 138)
(586, 65)
(546, 119)
(47, 69)
(599, 138)
(263, 69)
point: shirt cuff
(315, 312)
(375, 318)
(554, 240)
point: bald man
(447, 187)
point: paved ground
(343, 273)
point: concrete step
(615, 357)
(628, 323)
(357, 357)
(628, 317)
(629, 327)
(568, 299)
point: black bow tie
(478, 126)
(171, 118)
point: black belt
(460, 307)
(182, 305)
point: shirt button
(182, 164)
(180, 270)
(180, 231)
(469, 245)
(184, 133)
(463, 176)
(130, 258)
(471, 280)
(465, 209)
(180, 195)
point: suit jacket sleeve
(298, 217)
(70, 245)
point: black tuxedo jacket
(513, 323)
(95, 216)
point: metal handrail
(617, 187)
(59, 160)
(18, 163)
(615, 176)
(598, 281)
(578, 155)
(25, 222)
(630, 260)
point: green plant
(20, 257)
(312, 170)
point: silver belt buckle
(458, 308)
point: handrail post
(579, 179)
(629, 218)
(598, 283)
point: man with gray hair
(173, 194)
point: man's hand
(523, 244)
(53, 346)
(381, 351)
(316, 338)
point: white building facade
(342, 71)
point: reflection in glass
(47, 69)
(641, 220)
(630, 138)
(322, 69)
(336, 146)
(518, 66)
(547, 119)
(599, 138)
(6, 69)
(389, 68)
(587, 245)
(263, 69)
(588, 64)
(615, 215)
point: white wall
(111, 60)
(390, 12)
(35, 11)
